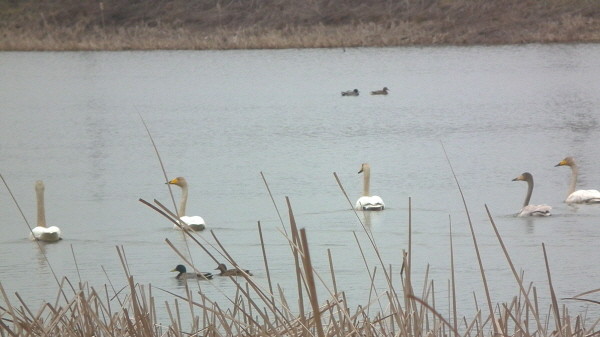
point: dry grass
(250, 24)
(258, 310)
(261, 310)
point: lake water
(220, 118)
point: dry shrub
(239, 24)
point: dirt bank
(232, 24)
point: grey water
(221, 118)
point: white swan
(368, 202)
(41, 232)
(195, 223)
(527, 210)
(579, 196)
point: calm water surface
(220, 118)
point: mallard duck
(183, 274)
(528, 210)
(368, 202)
(195, 223)
(383, 91)
(350, 93)
(42, 232)
(231, 272)
(579, 196)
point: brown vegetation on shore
(250, 24)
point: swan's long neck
(529, 191)
(41, 212)
(183, 201)
(573, 184)
(366, 180)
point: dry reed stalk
(475, 245)
(273, 201)
(453, 279)
(257, 312)
(308, 271)
(514, 271)
(552, 294)
(369, 235)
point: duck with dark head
(184, 275)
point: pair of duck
(355, 92)
(573, 196)
(223, 271)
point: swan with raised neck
(578, 196)
(42, 232)
(527, 209)
(368, 202)
(195, 223)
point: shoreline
(141, 39)
(57, 25)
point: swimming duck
(579, 196)
(195, 223)
(350, 93)
(184, 275)
(383, 91)
(231, 272)
(533, 210)
(368, 202)
(42, 232)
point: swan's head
(39, 186)
(180, 268)
(179, 181)
(568, 161)
(222, 267)
(524, 177)
(363, 167)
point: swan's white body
(368, 202)
(195, 223)
(584, 197)
(48, 234)
(531, 210)
(41, 232)
(578, 196)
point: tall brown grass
(259, 310)
(251, 24)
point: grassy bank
(249, 24)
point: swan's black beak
(359, 172)
(559, 164)
(515, 179)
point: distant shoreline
(318, 37)
(56, 25)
